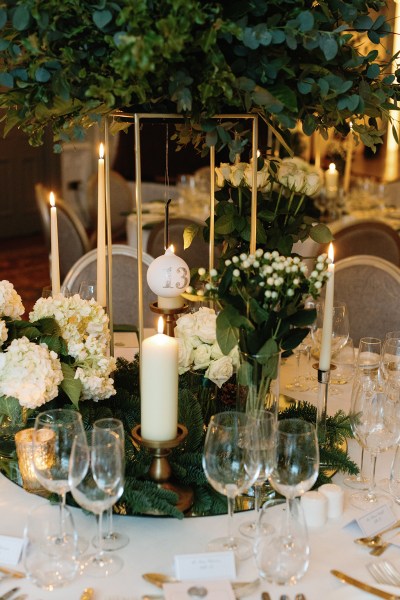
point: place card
(10, 550)
(207, 565)
(212, 590)
(375, 520)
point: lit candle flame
(331, 254)
(171, 248)
(160, 325)
(52, 199)
(258, 154)
(101, 151)
(332, 167)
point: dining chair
(197, 255)
(73, 240)
(370, 287)
(121, 202)
(125, 289)
(370, 237)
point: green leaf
(224, 225)
(42, 75)
(267, 350)
(227, 333)
(21, 17)
(3, 17)
(11, 408)
(6, 80)
(189, 234)
(328, 46)
(306, 20)
(321, 233)
(101, 18)
(71, 386)
(309, 125)
(373, 71)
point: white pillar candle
(326, 340)
(331, 181)
(101, 232)
(315, 507)
(349, 158)
(335, 496)
(159, 387)
(55, 259)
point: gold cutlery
(240, 587)
(376, 540)
(87, 594)
(265, 596)
(10, 593)
(12, 573)
(364, 586)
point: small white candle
(159, 387)
(168, 276)
(315, 507)
(101, 232)
(335, 496)
(55, 259)
(331, 181)
(349, 158)
(326, 340)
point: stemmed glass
(266, 422)
(298, 383)
(112, 540)
(87, 290)
(390, 360)
(367, 374)
(62, 427)
(96, 479)
(340, 326)
(375, 422)
(231, 464)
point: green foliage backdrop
(67, 63)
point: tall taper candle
(159, 387)
(55, 259)
(101, 232)
(326, 341)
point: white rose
(185, 325)
(286, 170)
(201, 357)
(223, 173)
(220, 370)
(216, 351)
(234, 356)
(262, 177)
(312, 184)
(237, 173)
(185, 355)
(206, 327)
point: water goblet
(394, 480)
(298, 383)
(112, 540)
(87, 290)
(96, 480)
(50, 547)
(375, 422)
(344, 361)
(294, 472)
(266, 422)
(231, 464)
(340, 327)
(62, 427)
(390, 360)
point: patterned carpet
(24, 262)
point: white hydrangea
(84, 327)
(3, 332)
(10, 301)
(29, 372)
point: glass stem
(257, 497)
(371, 490)
(360, 476)
(63, 503)
(231, 510)
(110, 522)
(289, 507)
(100, 552)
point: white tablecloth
(154, 541)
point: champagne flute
(61, 426)
(231, 464)
(112, 540)
(96, 479)
(266, 423)
(375, 422)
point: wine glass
(112, 540)
(231, 464)
(375, 422)
(266, 422)
(340, 327)
(61, 427)
(87, 290)
(298, 383)
(295, 471)
(345, 363)
(390, 360)
(96, 479)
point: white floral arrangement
(10, 301)
(199, 350)
(84, 327)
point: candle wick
(166, 224)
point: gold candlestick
(160, 470)
(170, 315)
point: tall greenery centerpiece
(66, 65)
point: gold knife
(364, 586)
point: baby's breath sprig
(262, 298)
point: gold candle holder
(44, 453)
(170, 315)
(160, 470)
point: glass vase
(258, 382)
(205, 391)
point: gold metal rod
(109, 237)
(253, 216)
(124, 115)
(212, 207)
(138, 178)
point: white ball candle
(159, 387)
(168, 276)
(55, 259)
(331, 181)
(326, 339)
